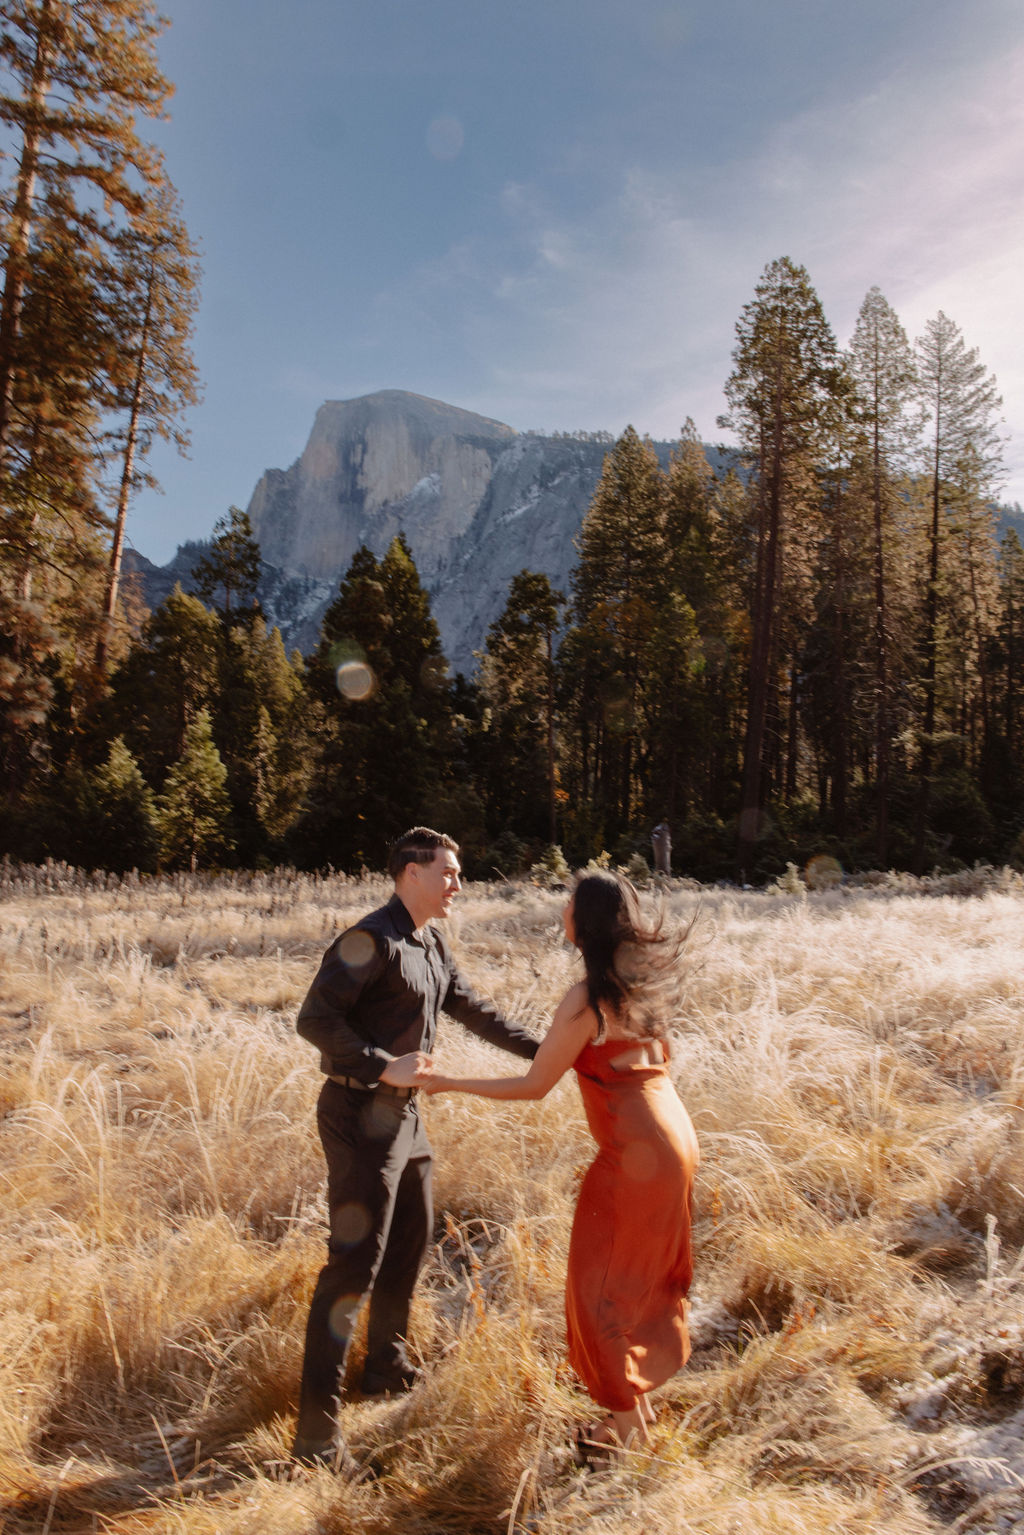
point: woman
(629, 1255)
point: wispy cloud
(627, 311)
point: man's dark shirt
(378, 992)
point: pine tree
(1011, 638)
(153, 286)
(83, 192)
(165, 680)
(699, 640)
(118, 818)
(834, 660)
(518, 684)
(81, 73)
(691, 524)
(194, 809)
(963, 403)
(885, 378)
(382, 712)
(230, 573)
(28, 649)
(785, 384)
(675, 730)
(262, 735)
(617, 588)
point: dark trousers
(381, 1214)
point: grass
(853, 1061)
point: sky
(552, 212)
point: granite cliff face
(373, 467)
(477, 502)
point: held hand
(437, 1084)
(412, 1070)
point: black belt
(372, 1087)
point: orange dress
(630, 1262)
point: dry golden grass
(853, 1061)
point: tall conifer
(885, 377)
(783, 386)
(963, 404)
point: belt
(372, 1087)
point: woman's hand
(412, 1070)
(436, 1083)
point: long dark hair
(631, 962)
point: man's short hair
(417, 845)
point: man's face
(437, 883)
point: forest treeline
(817, 649)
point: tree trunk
(550, 662)
(931, 640)
(760, 654)
(16, 269)
(882, 728)
(117, 544)
(841, 717)
(792, 731)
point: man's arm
(482, 1017)
(352, 963)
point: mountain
(476, 500)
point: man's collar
(403, 922)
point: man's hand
(412, 1070)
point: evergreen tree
(382, 712)
(691, 525)
(518, 685)
(693, 700)
(785, 385)
(173, 673)
(262, 735)
(82, 192)
(835, 663)
(962, 401)
(1010, 639)
(194, 809)
(117, 818)
(79, 75)
(154, 282)
(675, 714)
(617, 589)
(28, 650)
(231, 570)
(885, 378)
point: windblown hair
(417, 845)
(631, 962)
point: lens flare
(356, 680)
(357, 949)
(823, 872)
(342, 1316)
(350, 1224)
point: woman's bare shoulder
(576, 1004)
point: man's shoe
(325, 1454)
(394, 1383)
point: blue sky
(552, 212)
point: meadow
(852, 1058)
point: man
(372, 1013)
(661, 846)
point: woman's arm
(571, 1028)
